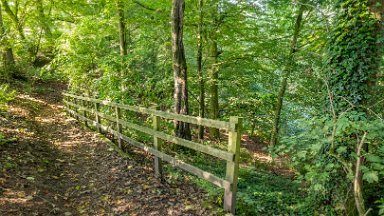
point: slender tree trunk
(43, 19)
(122, 40)
(357, 188)
(213, 72)
(213, 89)
(182, 129)
(358, 181)
(200, 68)
(10, 59)
(122, 31)
(286, 74)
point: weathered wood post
(66, 98)
(157, 145)
(97, 107)
(76, 109)
(118, 125)
(84, 112)
(232, 172)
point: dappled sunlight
(14, 197)
(279, 102)
(19, 111)
(55, 166)
(18, 131)
(30, 98)
(260, 156)
(46, 120)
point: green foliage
(259, 192)
(354, 54)
(324, 153)
(6, 95)
(78, 41)
(2, 138)
(381, 206)
(324, 148)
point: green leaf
(341, 149)
(374, 158)
(371, 176)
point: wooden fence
(79, 107)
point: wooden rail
(77, 107)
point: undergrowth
(6, 95)
(259, 192)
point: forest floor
(54, 166)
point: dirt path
(55, 167)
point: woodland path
(57, 167)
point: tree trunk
(200, 68)
(122, 41)
(9, 60)
(213, 90)
(358, 181)
(286, 74)
(376, 8)
(182, 129)
(43, 19)
(213, 72)
(122, 32)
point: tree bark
(122, 31)
(182, 129)
(213, 72)
(286, 74)
(357, 181)
(122, 40)
(200, 68)
(213, 89)
(9, 60)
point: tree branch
(9, 11)
(146, 6)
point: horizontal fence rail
(78, 107)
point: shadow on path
(58, 168)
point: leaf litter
(54, 166)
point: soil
(51, 165)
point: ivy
(353, 49)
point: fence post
(157, 144)
(97, 116)
(233, 166)
(75, 108)
(118, 125)
(84, 113)
(65, 98)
